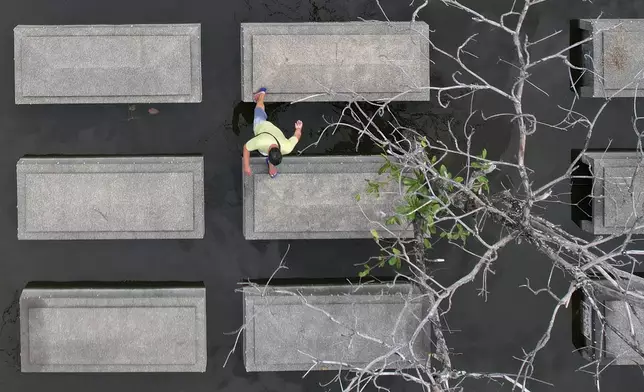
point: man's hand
(298, 129)
(248, 171)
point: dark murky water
(488, 334)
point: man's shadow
(244, 113)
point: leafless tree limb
(482, 218)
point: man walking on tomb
(269, 140)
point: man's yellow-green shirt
(266, 135)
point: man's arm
(251, 145)
(246, 161)
(288, 147)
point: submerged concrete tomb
(615, 57)
(315, 198)
(617, 192)
(110, 198)
(610, 345)
(287, 326)
(336, 61)
(113, 329)
(108, 64)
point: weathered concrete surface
(110, 198)
(617, 348)
(617, 192)
(606, 344)
(113, 330)
(108, 64)
(332, 61)
(616, 56)
(283, 332)
(315, 198)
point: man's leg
(260, 111)
(260, 116)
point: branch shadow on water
(581, 188)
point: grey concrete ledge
(94, 198)
(314, 198)
(617, 197)
(107, 64)
(283, 330)
(113, 330)
(615, 55)
(336, 61)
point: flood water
(488, 334)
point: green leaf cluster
(424, 203)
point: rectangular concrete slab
(335, 61)
(618, 192)
(315, 198)
(113, 330)
(283, 331)
(617, 316)
(612, 345)
(108, 64)
(615, 55)
(110, 198)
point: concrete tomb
(110, 198)
(610, 346)
(617, 195)
(285, 332)
(336, 61)
(108, 64)
(615, 56)
(315, 198)
(113, 329)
